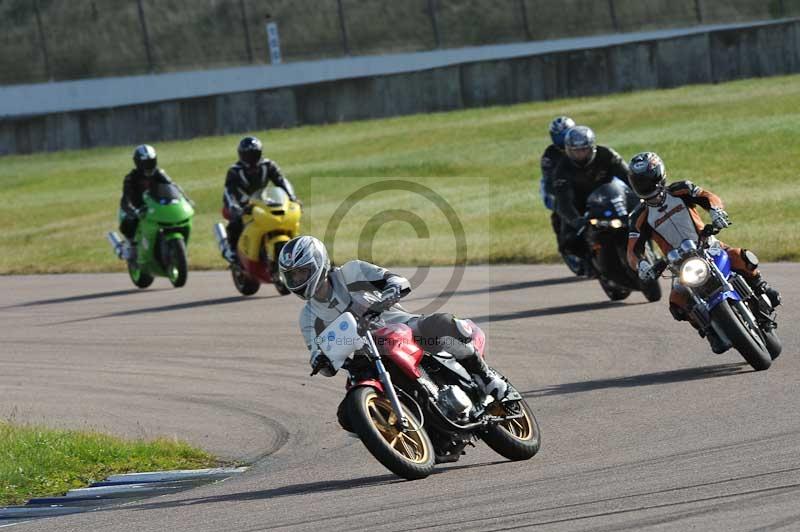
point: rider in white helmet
(355, 286)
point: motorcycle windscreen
(609, 200)
(164, 193)
(340, 340)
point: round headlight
(694, 272)
(616, 223)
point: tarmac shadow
(645, 379)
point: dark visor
(299, 276)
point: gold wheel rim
(410, 444)
(519, 428)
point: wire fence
(70, 39)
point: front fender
(371, 383)
(718, 298)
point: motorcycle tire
(735, 328)
(139, 277)
(516, 439)
(651, 290)
(176, 263)
(408, 454)
(246, 285)
(773, 343)
(614, 293)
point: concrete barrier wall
(701, 58)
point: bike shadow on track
(506, 287)
(304, 488)
(645, 379)
(166, 308)
(82, 297)
(553, 311)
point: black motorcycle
(606, 236)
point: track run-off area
(643, 427)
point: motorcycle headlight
(616, 223)
(594, 221)
(694, 272)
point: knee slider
(677, 312)
(750, 259)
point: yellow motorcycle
(270, 220)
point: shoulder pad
(681, 187)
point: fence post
(437, 37)
(246, 32)
(524, 16)
(343, 27)
(613, 13)
(698, 7)
(145, 36)
(42, 40)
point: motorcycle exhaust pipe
(116, 242)
(221, 236)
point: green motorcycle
(161, 238)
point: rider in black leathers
(585, 167)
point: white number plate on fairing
(340, 340)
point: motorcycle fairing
(372, 383)
(720, 258)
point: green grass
(736, 139)
(37, 462)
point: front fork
(386, 380)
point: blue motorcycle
(722, 300)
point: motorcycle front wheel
(406, 453)
(515, 439)
(139, 277)
(747, 341)
(246, 285)
(177, 265)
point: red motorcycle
(413, 408)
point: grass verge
(735, 139)
(36, 461)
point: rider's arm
(311, 327)
(275, 175)
(638, 236)
(235, 188)
(691, 194)
(364, 276)
(129, 202)
(565, 195)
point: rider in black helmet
(585, 167)
(250, 173)
(145, 173)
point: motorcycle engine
(454, 401)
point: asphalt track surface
(643, 428)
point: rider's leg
(679, 308)
(234, 230)
(448, 333)
(127, 226)
(745, 263)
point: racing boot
(716, 343)
(760, 286)
(489, 381)
(129, 251)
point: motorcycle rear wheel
(408, 454)
(246, 285)
(774, 345)
(515, 439)
(139, 277)
(732, 324)
(176, 264)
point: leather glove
(235, 210)
(719, 218)
(321, 364)
(646, 272)
(390, 295)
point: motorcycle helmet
(558, 129)
(581, 146)
(648, 177)
(145, 159)
(304, 264)
(250, 151)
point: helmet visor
(582, 155)
(645, 186)
(251, 157)
(298, 277)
